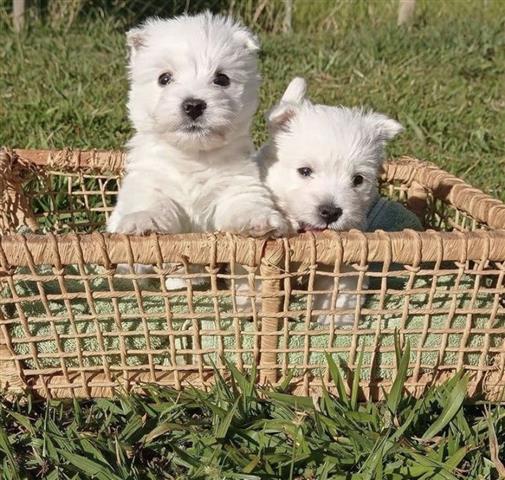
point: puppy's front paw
(139, 223)
(344, 301)
(271, 224)
(175, 283)
(340, 320)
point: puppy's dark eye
(222, 80)
(357, 180)
(164, 79)
(305, 171)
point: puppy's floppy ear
(248, 39)
(384, 127)
(286, 109)
(135, 39)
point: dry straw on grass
(71, 325)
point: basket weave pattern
(69, 333)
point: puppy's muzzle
(193, 107)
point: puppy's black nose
(329, 213)
(193, 107)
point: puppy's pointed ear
(295, 93)
(286, 109)
(135, 39)
(248, 39)
(384, 127)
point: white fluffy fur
(186, 175)
(336, 143)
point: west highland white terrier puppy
(322, 164)
(193, 92)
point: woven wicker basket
(70, 327)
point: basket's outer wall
(14, 210)
(407, 247)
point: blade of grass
(6, 447)
(224, 425)
(336, 376)
(494, 448)
(87, 466)
(395, 393)
(451, 408)
(356, 379)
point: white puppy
(193, 91)
(322, 165)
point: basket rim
(407, 247)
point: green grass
(236, 431)
(443, 78)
